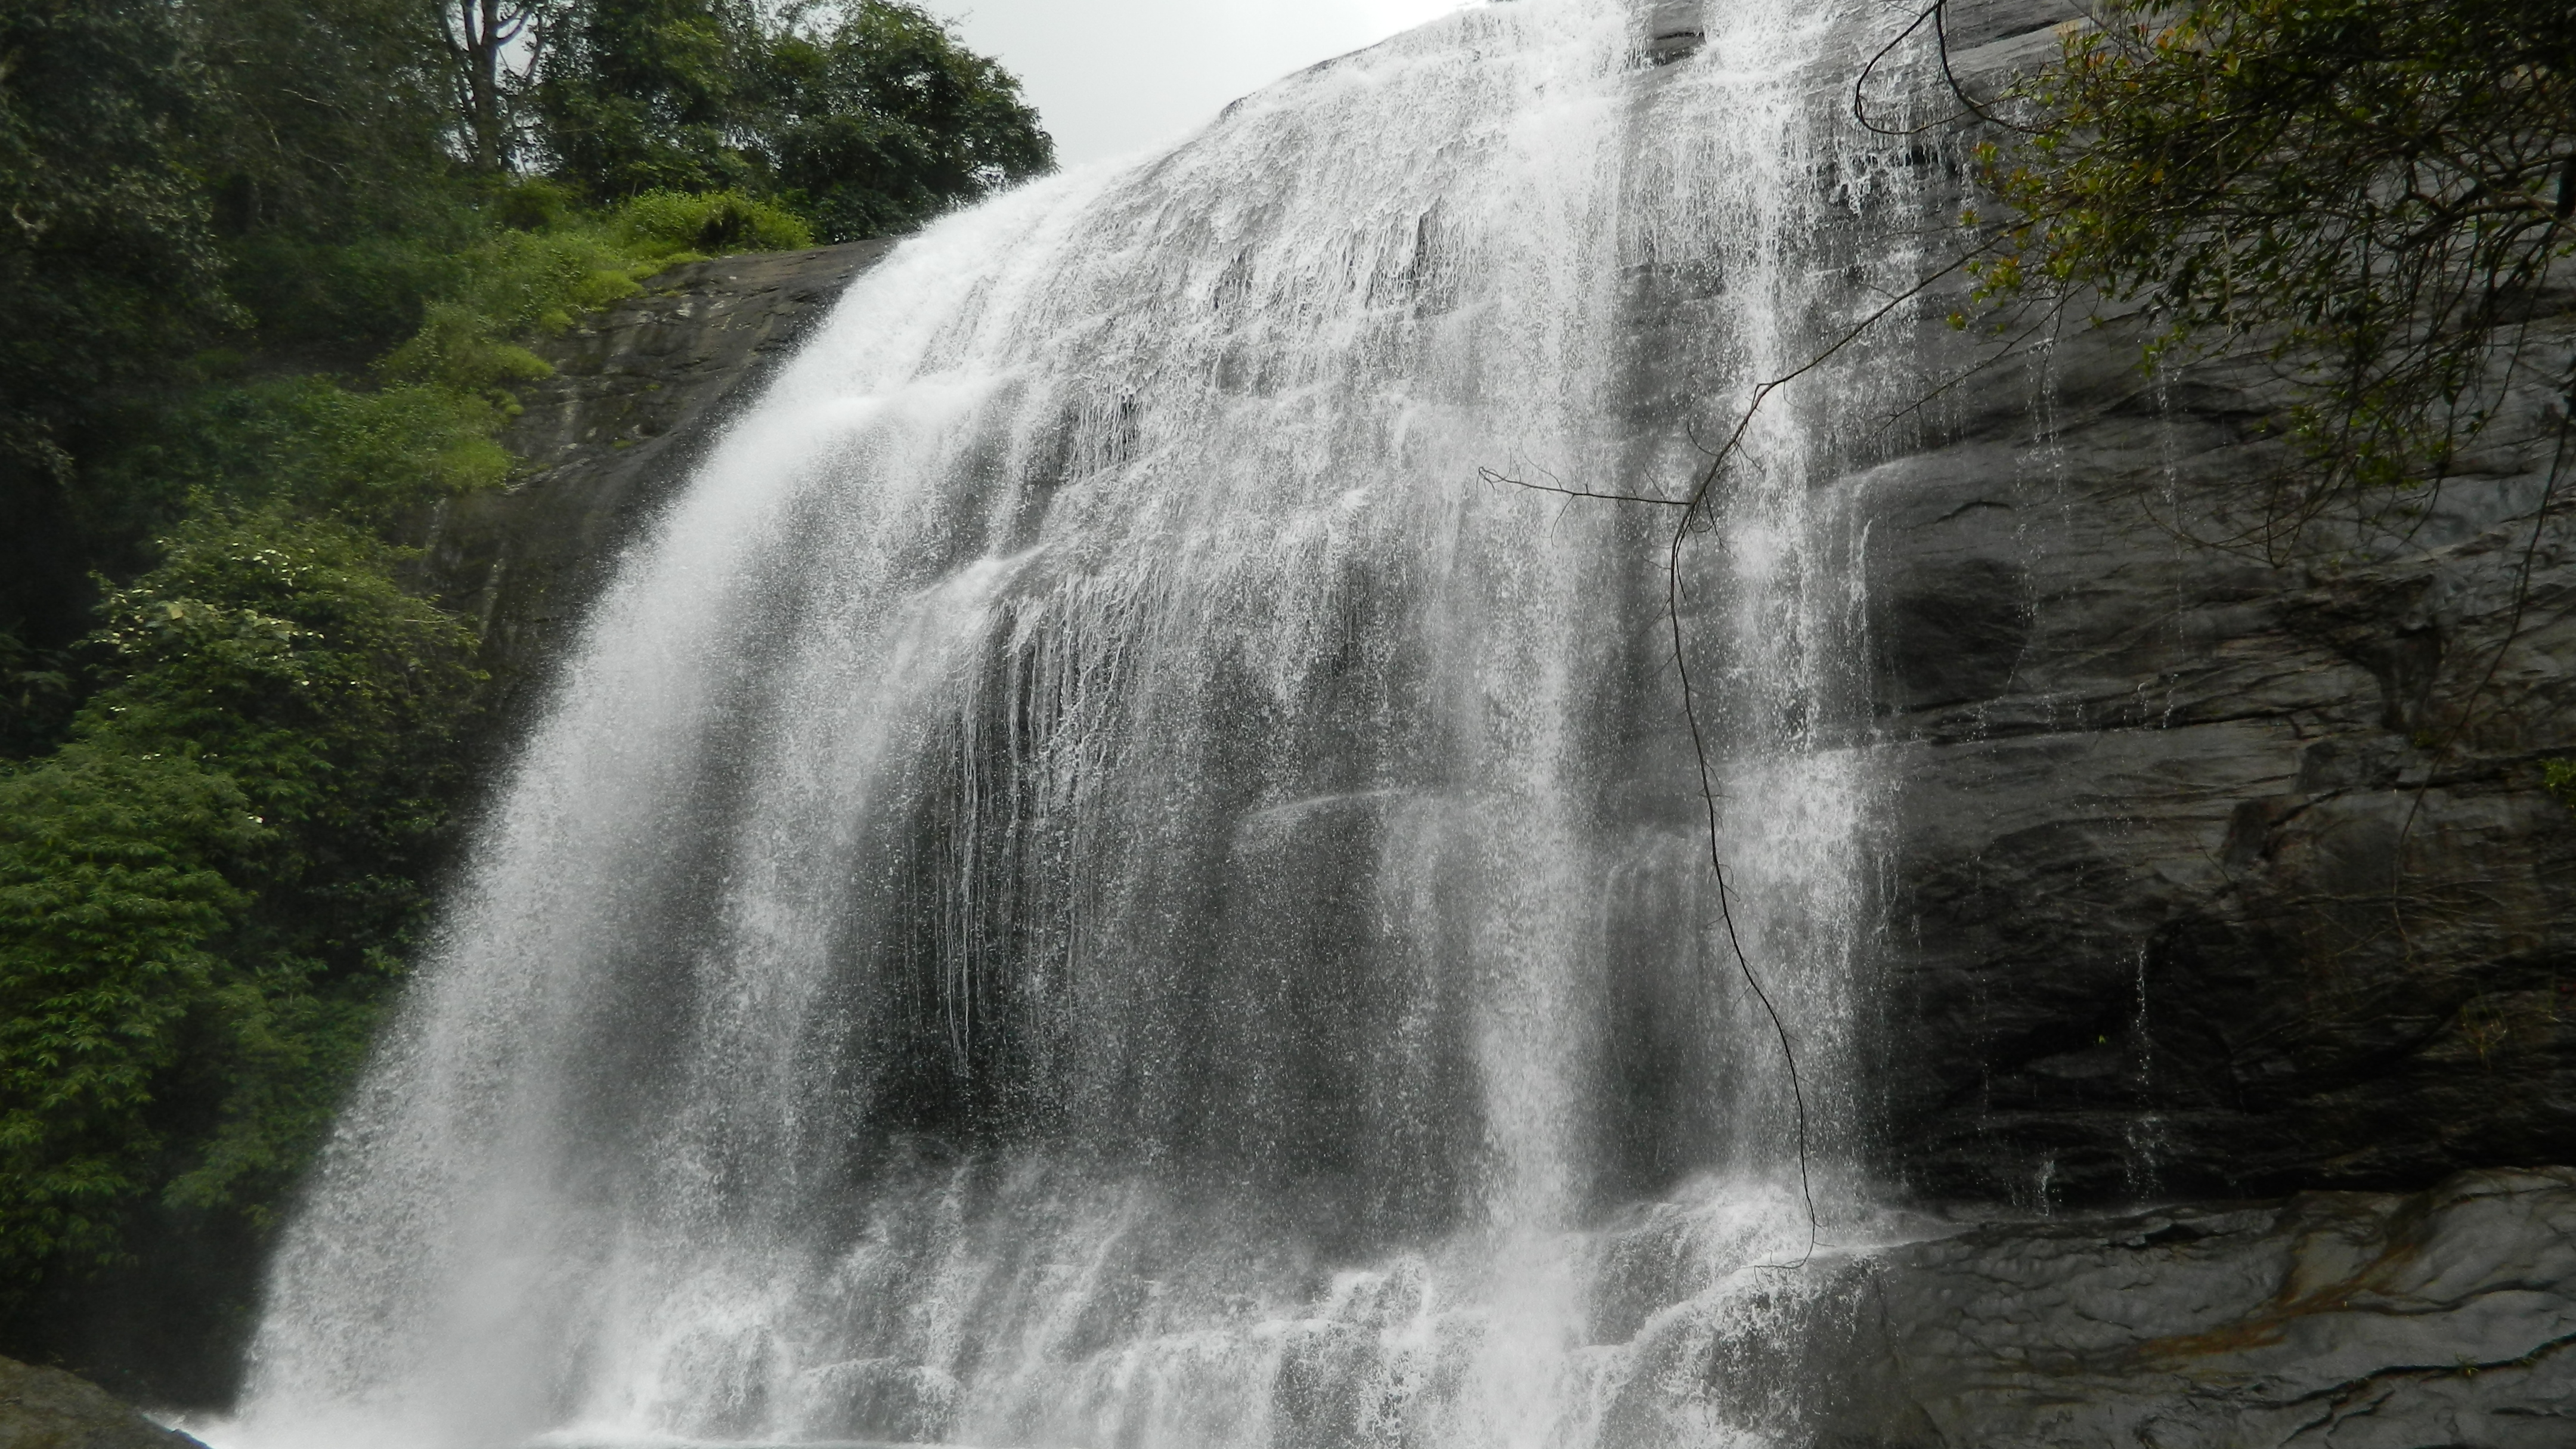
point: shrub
(664, 224)
(2560, 777)
(109, 899)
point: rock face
(2210, 873)
(2361, 1321)
(2213, 869)
(2335, 1318)
(43, 1408)
(638, 393)
(2203, 869)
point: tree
(882, 119)
(203, 898)
(326, 152)
(651, 95)
(865, 118)
(109, 897)
(476, 36)
(281, 652)
(107, 263)
(264, 281)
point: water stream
(1094, 884)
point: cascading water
(1093, 885)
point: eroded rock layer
(2363, 1321)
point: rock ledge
(44, 1408)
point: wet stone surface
(45, 1408)
(2352, 1320)
(639, 392)
(2355, 1320)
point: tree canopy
(863, 118)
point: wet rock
(2351, 1320)
(2212, 872)
(2203, 872)
(2211, 866)
(1675, 30)
(638, 392)
(2356, 1320)
(44, 1408)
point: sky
(1113, 76)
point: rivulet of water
(1095, 883)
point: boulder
(45, 1408)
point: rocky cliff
(2208, 877)
(2212, 872)
(638, 392)
(2211, 868)
(2202, 868)
(2205, 872)
(2353, 1320)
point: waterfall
(1095, 883)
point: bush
(110, 896)
(205, 895)
(370, 457)
(2560, 777)
(664, 224)
(281, 651)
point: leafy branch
(2372, 198)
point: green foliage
(372, 457)
(281, 651)
(883, 120)
(2362, 190)
(376, 456)
(109, 898)
(2560, 778)
(520, 282)
(204, 894)
(266, 288)
(105, 256)
(35, 698)
(107, 264)
(335, 203)
(863, 118)
(647, 95)
(670, 224)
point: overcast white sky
(1112, 76)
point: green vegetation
(2560, 777)
(269, 274)
(2371, 195)
(208, 885)
(864, 119)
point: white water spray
(1092, 885)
